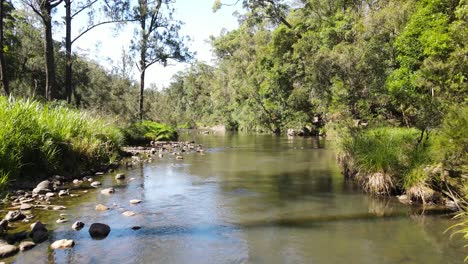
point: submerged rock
(128, 213)
(61, 220)
(101, 207)
(39, 232)
(135, 201)
(108, 191)
(96, 184)
(62, 244)
(4, 224)
(99, 230)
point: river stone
(26, 206)
(108, 191)
(78, 225)
(136, 227)
(98, 230)
(128, 213)
(120, 176)
(135, 201)
(8, 250)
(16, 237)
(62, 244)
(50, 194)
(4, 224)
(99, 173)
(61, 220)
(43, 187)
(59, 207)
(63, 193)
(26, 245)
(27, 200)
(38, 232)
(101, 207)
(95, 184)
(90, 179)
(179, 158)
(14, 216)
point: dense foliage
(145, 131)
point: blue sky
(200, 22)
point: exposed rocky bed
(20, 205)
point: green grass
(145, 131)
(40, 139)
(391, 153)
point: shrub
(145, 131)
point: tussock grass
(39, 139)
(145, 131)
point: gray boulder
(43, 187)
(98, 230)
(14, 216)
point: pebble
(61, 220)
(78, 225)
(120, 176)
(59, 207)
(62, 244)
(101, 207)
(135, 201)
(108, 191)
(95, 184)
(25, 245)
(128, 213)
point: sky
(105, 46)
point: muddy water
(248, 199)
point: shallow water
(248, 199)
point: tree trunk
(3, 74)
(68, 54)
(51, 91)
(144, 46)
(142, 89)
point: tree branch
(100, 24)
(83, 8)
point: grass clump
(145, 131)
(40, 139)
(386, 159)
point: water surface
(248, 199)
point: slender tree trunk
(51, 91)
(68, 54)
(142, 89)
(144, 46)
(3, 74)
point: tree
(43, 8)
(3, 73)
(158, 38)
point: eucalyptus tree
(157, 39)
(3, 72)
(44, 8)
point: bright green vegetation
(37, 140)
(145, 131)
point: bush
(39, 139)
(145, 131)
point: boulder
(14, 216)
(43, 187)
(26, 245)
(78, 225)
(16, 237)
(38, 232)
(108, 191)
(62, 244)
(8, 250)
(98, 230)
(120, 176)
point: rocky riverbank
(21, 228)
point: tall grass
(39, 139)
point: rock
(90, 179)
(38, 232)
(78, 225)
(108, 191)
(59, 207)
(17, 237)
(98, 230)
(179, 158)
(120, 176)
(50, 194)
(63, 193)
(4, 224)
(160, 155)
(26, 206)
(62, 244)
(135, 201)
(136, 227)
(8, 250)
(74, 195)
(100, 173)
(101, 207)
(76, 181)
(14, 216)
(29, 200)
(95, 184)
(403, 199)
(43, 187)
(26, 245)
(128, 213)
(61, 220)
